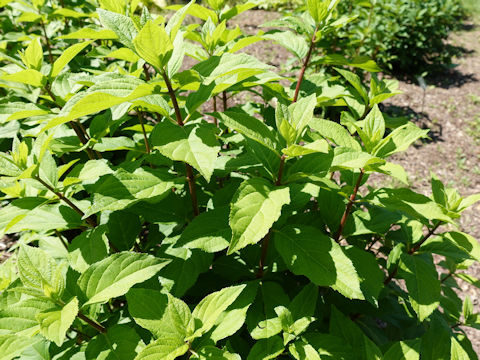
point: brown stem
(192, 189)
(412, 251)
(47, 40)
(140, 118)
(349, 206)
(224, 100)
(215, 121)
(425, 238)
(146, 72)
(92, 323)
(62, 239)
(189, 169)
(77, 127)
(263, 257)
(280, 171)
(305, 65)
(446, 277)
(90, 220)
(173, 97)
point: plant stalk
(145, 138)
(189, 169)
(351, 200)
(412, 251)
(90, 220)
(47, 40)
(305, 65)
(92, 323)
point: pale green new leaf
(256, 205)
(29, 77)
(121, 25)
(123, 189)
(211, 307)
(335, 132)
(153, 44)
(195, 144)
(399, 140)
(67, 56)
(164, 349)
(347, 158)
(116, 274)
(422, 282)
(12, 345)
(39, 270)
(33, 55)
(55, 323)
(318, 146)
(374, 127)
(307, 251)
(20, 110)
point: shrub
(147, 227)
(404, 36)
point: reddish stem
(349, 206)
(189, 169)
(305, 65)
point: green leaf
(250, 127)
(163, 349)
(457, 352)
(300, 351)
(355, 81)
(55, 323)
(208, 231)
(211, 307)
(436, 341)
(121, 25)
(404, 350)
(399, 140)
(12, 345)
(20, 110)
(311, 148)
(29, 77)
(120, 342)
(307, 251)
(17, 312)
(33, 55)
(266, 349)
(256, 206)
(347, 158)
(343, 327)
(123, 229)
(195, 144)
(67, 56)
(213, 353)
(176, 20)
(422, 282)
(39, 271)
(329, 346)
(88, 248)
(153, 44)
(115, 275)
(318, 9)
(123, 189)
(374, 128)
(294, 43)
(335, 132)
(89, 33)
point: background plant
(148, 228)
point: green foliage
(150, 228)
(403, 36)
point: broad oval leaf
(115, 275)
